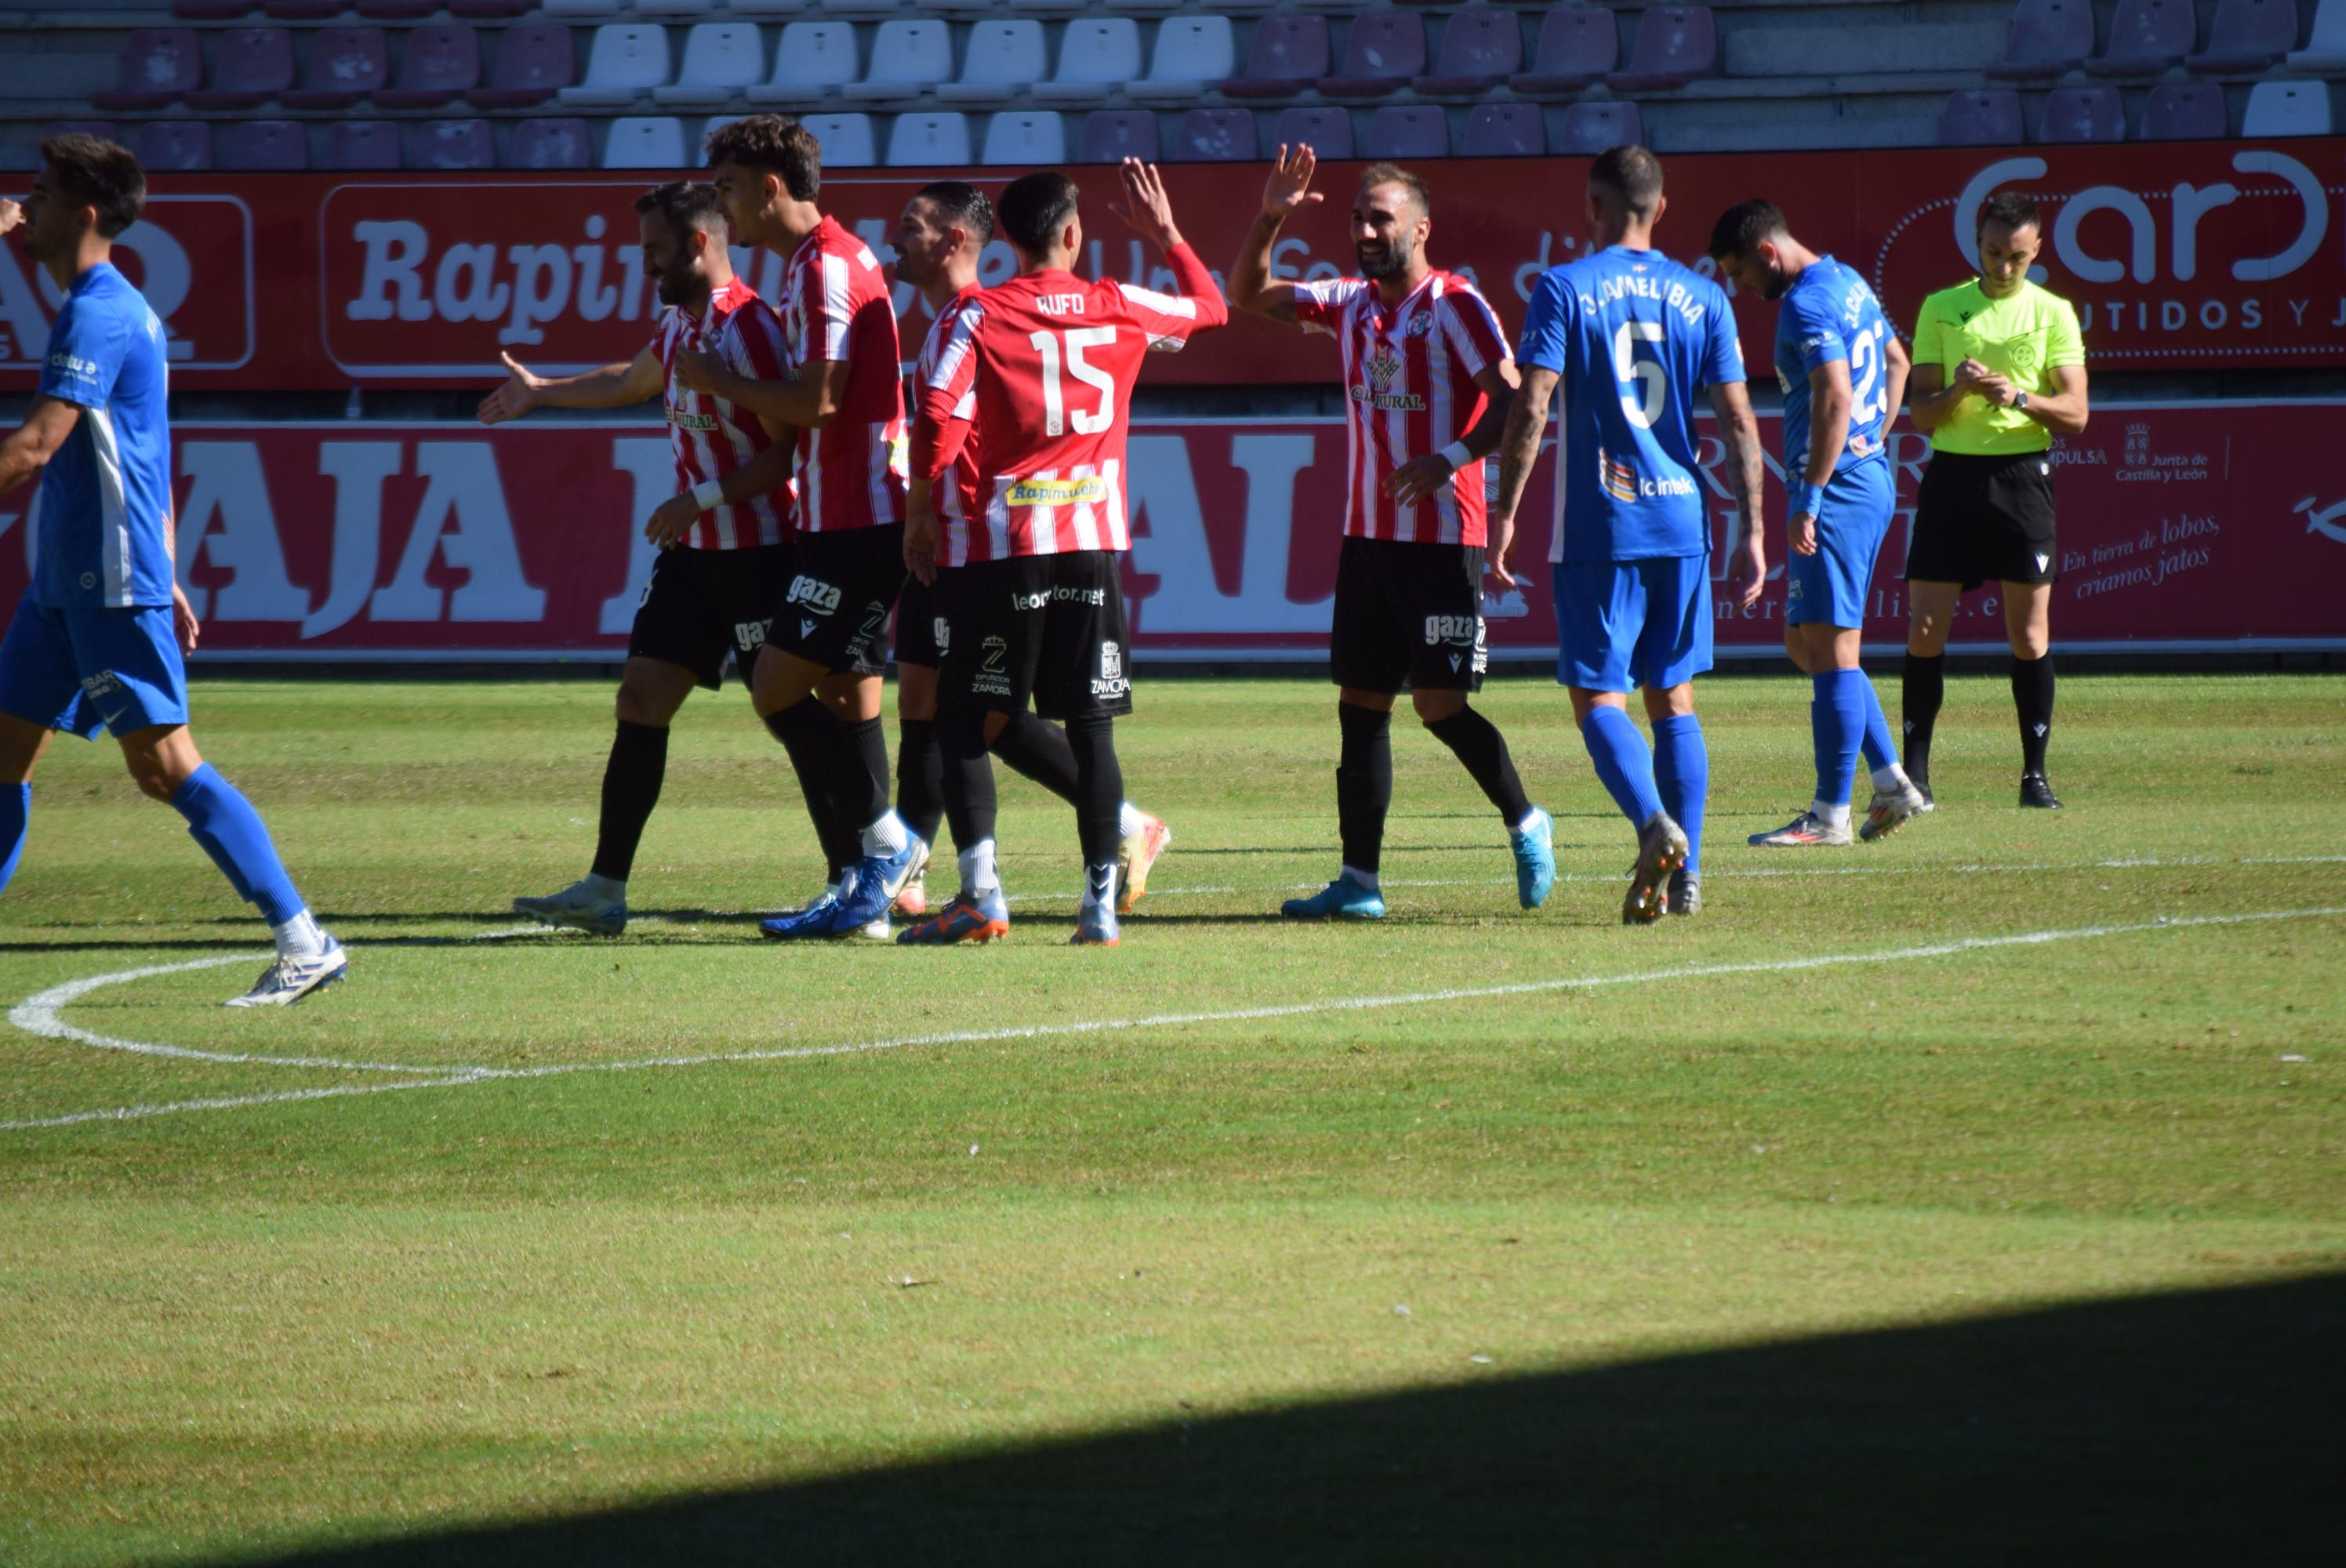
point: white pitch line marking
(461, 1077)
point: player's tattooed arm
(612, 386)
(1423, 476)
(1287, 191)
(27, 451)
(1519, 444)
(1747, 471)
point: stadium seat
(645, 141)
(173, 147)
(1675, 44)
(1989, 119)
(707, 128)
(251, 66)
(550, 144)
(2082, 115)
(262, 145)
(1327, 131)
(440, 65)
(1288, 56)
(1505, 130)
(845, 139)
(1192, 54)
(720, 59)
(1002, 58)
(1578, 45)
(1384, 51)
(534, 62)
(2048, 38)
(1033, 136)
(301, 11)
(213, 10)
(452, 144)
(1097, 56)
(157, 66)
(625, 61)
(679, 10)
(359, 145)
(1590, 129)
(1408, 131)
(2325, 51)
(397, 10)
(2146, 36)
(1481, 49)
(1146, 8)
(346, 64)
(1048, 7)
(1214, 135)
(813, 59)
(2246, 37)
(871, 10)
(491, 10)
(591, 10)
(2184, 111)
(936, 139)
(2286, 108)
(105, 130)
(908, 57)
(773, 8)
(1110, 136)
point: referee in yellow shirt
(1999, 371)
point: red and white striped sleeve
(948, 393)
(753, 344)
(1170, 320)
(1469, 327)
(1319, 304)
(827, 303)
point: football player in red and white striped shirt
(1037, 375)
(722, 565)
(1428, 380)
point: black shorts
(1408, 611)
(919, 625)
(701, 604)
(1045, 627)
(834, 610)
(1984, 519)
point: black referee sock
(1363, 783)
(1099, 785)
(811, 733)
(2032, 699)
(920, 777)
(1037, 749)
(968, 776)
(1477, 743)
(1921, 687)
(631, 787)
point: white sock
(1354, 874)
(1889, 781)
(1530, 817)
(1831, 816)
(299, 937)
(1100, 885)
(1129, 819)
(977, 873)
(888, 836)
(604, 887)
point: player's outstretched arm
(26, 452)
(807, 401)
(1746, 473)
(1287, 191)
(612, 386)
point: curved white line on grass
(1176, 1020)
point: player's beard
(1391, 261)
(680, 287)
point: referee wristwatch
(2020, 402)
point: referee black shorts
(1982, 519)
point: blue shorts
(1626, 624)
(76, 670)
(1831, 585)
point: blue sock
(15, 808)
(1837, 721)
(1682, 774)
(232, 833)
(1880, 752)
(1625, 764)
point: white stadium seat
(680, 10)
(2325, 51)
(929, 140)
(845, 139)
(720, 59)
(1097, 56)
(773, 8)
(1193, 52)
(1004, 59)
(814, 59)
(589, 8)
(907, 59)
(2286, 108)
(1024, 136)
(652, 141)
(627, 60)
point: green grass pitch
(1837, 1224)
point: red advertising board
(2181, 526)
(2221, 254)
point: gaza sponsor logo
(821, 597)
(750, 636)
(1454, 631)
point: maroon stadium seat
(551, 144)
(346, 64)
(304, 11)
(397, 10)
(2048, 38)
(213, 10)
(1214, 135)
(440, 65)
(1386, 50)
(454, 144)
(173, 147)
(251, 66)
(1289, 55)
(1111, 136)
(2146, 36)
(2083, 113)
(1675, 45)
(1505, 130)
(2246, 36)
(1328, 130)
(105, 130)
(2184, 111)
(1990, 119)
(1578, 45)
(263, 145)
(1481, 49)
(1408, 131)
(477, 10)
(361, 145)
(534, 62)
(157, 66)
(1590, 129)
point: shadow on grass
(2192, 1427)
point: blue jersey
(1830, 314)
(1634, 336)
(104, 507)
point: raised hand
(1146, 208)
(12, 213)
(1289, 185)
(515, 398)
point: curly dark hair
(1741, 227)
(775, 142)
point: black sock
(1921, 687)
(2032, 699)
(1363, 783)
(860, 775)
(1099, 785)
(920, 777)
(631, 787)
(1477, 743)
(968, 776)
(1037, 749)
(809, 732)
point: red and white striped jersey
(955, 495)
(835, 305)
(1043, 366)
(1409, 391)
(711, 437)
